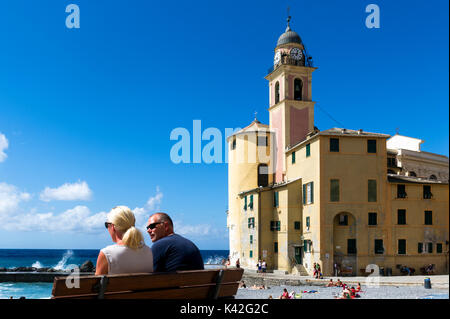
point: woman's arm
(102, 265)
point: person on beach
(315, 270)
(285, 294)
(171, 252)
(264, 266)
(358, 287)
(259, 265)
(129, 254)
(330, 283)
(238, 263)
(339, 283)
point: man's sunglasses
(107, 224)
(153, 225)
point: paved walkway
(438, 281)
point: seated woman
(285, 294)
(330, 283)
(129, 254)
(358, 287)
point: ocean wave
(214, 260)
(62, 264)
(37, 264)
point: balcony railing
(287, 60)
(427, 195)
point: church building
(342, 198)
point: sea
(62, 259)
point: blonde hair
(124, 221)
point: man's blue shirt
(175, 252)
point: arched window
(433, 177)
(263, 175)
(298, 89)
(277, 92)
(411, 173)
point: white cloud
(3, 146)
(192, 230)
(78, 220)
(143, 213)
(10, 197)
(75, 191)
(75, 220)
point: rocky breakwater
(45, 274)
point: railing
(287, 60)
(427, 195)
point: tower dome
(289, 36)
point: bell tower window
(298, 89)
(277, 92)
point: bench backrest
(196, 284)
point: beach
(382, 292)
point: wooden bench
(197, 284)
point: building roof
(348, 132)
(393, 178)
(335, 132)
(255, 126)
(289, 36)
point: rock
(3, 269)
(87, 266)
(45, 269)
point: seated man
(171, 251)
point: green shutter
(275, 199)
(304, 194)
(293, 157)
(420, 248)
(245, 203)
(372, 190)
(312, 192)
(308, 150)
(251, 202)
(334, 190)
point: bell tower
(291, 107)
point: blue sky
(86, 114)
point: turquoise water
(32, 290)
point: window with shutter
(420, 248)
(372, 219)
(379, 246)
(428, 217)
(401, 217)
(334, 190)
(372, 190)
(402, 246)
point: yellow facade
(327, 197)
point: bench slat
(138, 283)
(203, 292)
